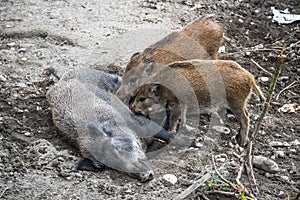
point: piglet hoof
(242, 142)
(143, 176)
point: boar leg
(88, 165)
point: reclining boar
(104, 129)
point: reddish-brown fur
(200, 39)
(208, 79)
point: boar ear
(135, 54)
(95, 131)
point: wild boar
(102, 126)
(215, 85)
(201, 39)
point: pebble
(283, 78)
(222, 49)
(268, 175)
(265, 164)
(264, 79)
(38, 108)
(170, 178)
(22, 50)
(221, 129)
(285, 178)
(11, 44)
(27, 134)
(24, 59)
(280, 154)
(21, 84)
(293, 150)
(295, 142)
(2, 78)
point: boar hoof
(88, 165)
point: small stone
(295, 142)
(285, 178)
(170, 178)
(11, 44)
(27, 134)
(252, 23)
(24, 59)
(293, 150)
(247, 53)
(22, 50)
(283, 78)
(268, 175)
(221, 129)
(2, 78)
(241, 21)
(38, 108)
(21, 84)
(280, 154)
(264, 79)
(265, 164)
(222, 49)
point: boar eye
(142, 99)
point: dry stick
(193, 187)
(261, 68)
(2, 193)
(286, 88)
(225, 180)
(249, 153)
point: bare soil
(37, 162)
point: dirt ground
(37, 162)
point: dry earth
(36, 162)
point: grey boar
(104, 129)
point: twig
(204, 196)
(269, 95)
(286, 88)
(249, 152)
(253, 50)
(292, 45)
(193, 187)
(249, 169)
(224, 179)
(2, 193)
(237, 179)
(261, 68)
